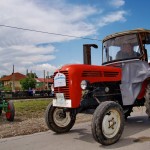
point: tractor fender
(134, 74)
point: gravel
(24, 126)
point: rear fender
(143, 90)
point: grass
(31, 108)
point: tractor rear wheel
(59, 120)
(147, 100)
(10, 114)
(108, 123)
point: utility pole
(47, 79)
(27, 72)
(13, 79)
(31, 74)
(44, 79)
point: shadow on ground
(133, 125)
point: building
(13, 80)
(43, 83)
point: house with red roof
(13, 80)
(43, 83)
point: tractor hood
(92, 73)
(68, 79)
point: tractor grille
(92, 74)
(110, 74)
(64, 89)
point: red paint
(75, 76)
(8, 113)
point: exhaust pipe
(87, 53)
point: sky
(91, 20)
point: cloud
(19, 47)
(117, 3)
(26, 49)
(27, 14)
(39, 69)
(112, 17)
(24, 57)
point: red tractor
(110, 90)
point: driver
(126, 52)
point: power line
(45, 32)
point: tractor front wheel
(59, 120)
(108, 123)
(10, 113)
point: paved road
(136, 136)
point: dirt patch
(24, 126)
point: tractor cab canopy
(127, 45)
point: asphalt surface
(136, 136)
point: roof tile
(17, 76)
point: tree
(3, 76)
(28, 83)
(32, 75)
(6, 88)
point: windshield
(121, 48)
(146, 44)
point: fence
(27, 94)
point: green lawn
(31, 108)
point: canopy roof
(126, 32)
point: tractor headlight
(84, 84)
